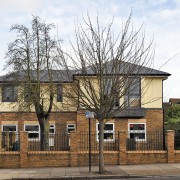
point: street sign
(89, 114)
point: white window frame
(31, 139)
(52, 128)
(71, 128)
(137, 131)
(105, 131)
(16, 132)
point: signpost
(89, 115)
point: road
(152, 178)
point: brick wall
(9, 160)
(52, 159)
(146, 157)
(61, 119)
(74, 157)
(154, 120)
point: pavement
(81, 173)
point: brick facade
(153, 119)
(74, 157)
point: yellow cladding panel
(66, 105)
(151, 92)
(151, 96)
(86, 84)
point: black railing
(54, 142)
(177, 140)
(140, 141)
(9, 141)
(111, 141)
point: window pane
(32, 128)
(108, 86)
(71, 127)
(108, 135)
(134, 87)
(137, 126)
(108, 127)
(51, 131)
(33, 135)
(52, 128)
(137, 135)
(134, 101)
(59, 93)
(9, 93)
(9, 128)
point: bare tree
(31, 58)
(107, 70)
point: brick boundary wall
(74, 157)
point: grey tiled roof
(63, 76)
(58, 75)
(131, 69)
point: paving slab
(116, 171)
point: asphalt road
(153, 178)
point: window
(29, 90)
(9, 93)
(71, 127)
(116, 101)
(59, 93)
(52, 129)
(110, 92)
(108, 131)
(9, 137)
(132, 94)
(33, 131)
(9, 128)
(137, 131)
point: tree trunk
(44, 135)
(101, 146)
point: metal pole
(89, 145)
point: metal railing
(9, 141)
(56, 142)
(111, 141)
(140, 141)
(177, 140)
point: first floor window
(137, 131)
(108, 131)
(33, 131)
(9, 93)
(133, 92)
(59, 93)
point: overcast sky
(160, 17)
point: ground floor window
(33, 131)
(108, 132)
(9, 136)
(52, 129)
(137, 131)
(71, 127)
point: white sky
(161, 19)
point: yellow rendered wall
(151, 88)
(85, 90)
(66, 105)
(151, 92)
